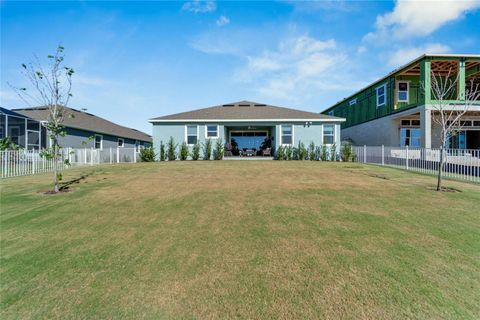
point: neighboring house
(247, 125)
(83, 130)
(397, 111)
(23, 131)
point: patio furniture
(228, 150)
(250, 152)
(267, 152)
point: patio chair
(228, 150)
(267, 152)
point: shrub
(346, 153)
(301, 151)
(171, 147)
(324, 153)
(333, 152)
(288, 152)
(219, 149)
(311, 151)
(196, 151)
(280, 153)
(8, 144)
(207, 149)
(162, 151)
(184, 151)
(147, 154)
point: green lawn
(240, 239)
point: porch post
(461, 80)
(425, 72)
(426, 127)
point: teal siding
(306, 134)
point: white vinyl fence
(460, 164)
(25, 162)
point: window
(352, 102)
(192, 134)
(328, 134)
(331, 113)
(402, 91)
(98, 141)
(381, 95)
(287, 134)
(120, 143)
(211, 131)
(410, 137)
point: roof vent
(228, 105)
(259, 105)
(244, 105)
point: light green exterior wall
(162, 131)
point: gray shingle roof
(245, 110)
(87, 121)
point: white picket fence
(16, 163)
(460, 164)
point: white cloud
(299, 67)
(199, 6)
(405, 55)
(362, 49)
(418, 18)
(223, 20)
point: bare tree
(448, 115)
(51, 88)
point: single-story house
(83, 130)
(247, 126)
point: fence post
(134, 155)
(34, 160)
(118, 155)
(91, 156)
(406, 162)
(111, 156)
(364, 153)
(383, 155)
(85, 156)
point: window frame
(95, 141)
(407, 100)
(206, 131)
(186, 133)
(384, 86)
(291, 134)
(352, 102)
(118, 143)
(333, 135)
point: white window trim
(352, 102)
(206, 131)
(186, 133)
(334, 134)
(123, 142)
(408, 91)
(95, 141)
(384, 93)
(281, 135)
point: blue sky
(137, 60)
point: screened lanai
(23, 131)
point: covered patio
(249, 141)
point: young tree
(50, 87)
(446, 114)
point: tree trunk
(55, 168)
(440, 169)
